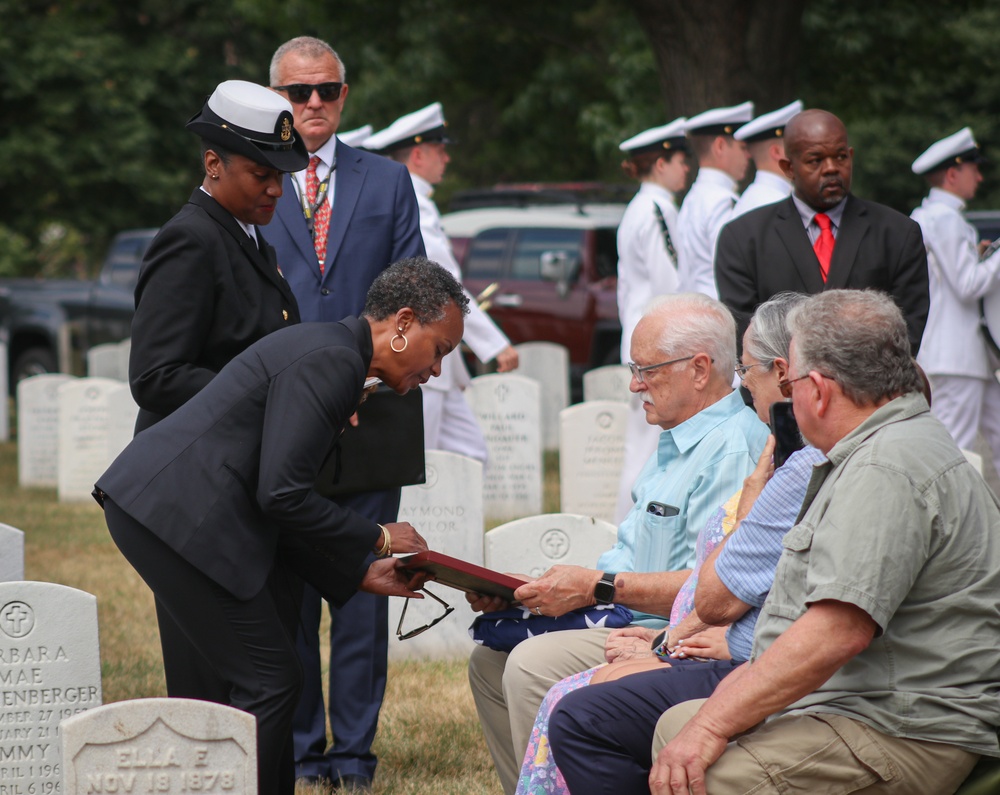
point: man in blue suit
(337, 226)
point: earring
(215, 176)
(399, 335)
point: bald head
(810, 125)
(819, 160)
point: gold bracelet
(386, 548)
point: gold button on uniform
(284, 314)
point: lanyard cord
(309, 211)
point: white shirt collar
(421, 186)
(716, 177)
(946, 198)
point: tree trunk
(713, 53)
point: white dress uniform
(645, 270)
(707, 208)
(708, 205)
(966, 395)
(449, 423)
(766, 188)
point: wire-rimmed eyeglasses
(637, 371)
(448, 610)
(741, 370)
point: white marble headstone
(447, 511)
(591, 453)
(50, 669)
(4, 392)
(11, 554)
(83, 436)
(122, 411)
(124, 351)
(547, 363)
(508, 407)
(533, 544)
(104, 361)
(607, 383)
(38, 429)
(168, 745)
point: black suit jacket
(224, 474)
(767, 251)
(205, 293)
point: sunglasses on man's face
(301, 92)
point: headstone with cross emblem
(447, 511)
(508, 408)
(591, 452)
(83, 436)
(168, 745)
(11, 553)
(607, 383)
(547, 363)
(50, 669)
(38, 429)
(531, 545)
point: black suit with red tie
(767, 251)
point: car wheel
(33, 361)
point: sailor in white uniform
(647, 265)
(764, 137)
(708, 206)
(419, 141)
(953, 353)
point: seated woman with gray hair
(200, 502)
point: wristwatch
(604, 591)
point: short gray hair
(707, 327)
(768, 336)
(307, 47)
(417, 283)
(857, 338)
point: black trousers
(601, 735)
(247, 643)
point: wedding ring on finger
(538, 611)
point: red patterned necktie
(824, 243)
(321, 217)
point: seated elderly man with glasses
(684, 356)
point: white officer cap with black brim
(667, 138)
(357, 136)
(954, 150)
(253, 121)
(720, 121)
(768, 125)
(426, 125)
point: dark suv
(549, 272)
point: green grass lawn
(429, 740)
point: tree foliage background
(94, 94)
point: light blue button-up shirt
(698, 465)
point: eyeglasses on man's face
(785, 387)
(448, 610)
(301, 92)
(638, 373)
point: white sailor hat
(768, 125)
(669, 137)
(252, 121)
(720, 121)
(954, 150)
(357, 136)
(421, 126)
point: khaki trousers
(824, 754)
(509, 688)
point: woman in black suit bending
(199, 502)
